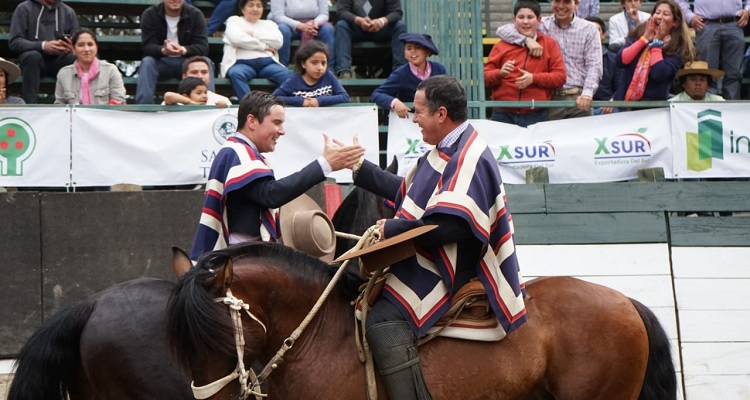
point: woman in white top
(88, 80)
(251, 49)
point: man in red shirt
(514, 75)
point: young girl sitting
(401, 85)
(314, 85)
(191, 90)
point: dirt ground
(4, 385)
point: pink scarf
(640, 77)
(86, 78)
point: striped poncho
(465, 184)
(236, 165)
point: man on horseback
(242, 195)
(456, 186)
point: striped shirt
(580, 46)
(712, 9)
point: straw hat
(389, 251)
(699, 68)
(12, 72)
(305, 227)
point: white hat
(12, 72)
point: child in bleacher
(401, 85)
(190, 91)
(314, 85)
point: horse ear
(393, 168)
(224, 277)
(181, 263)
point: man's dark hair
(188, 84)
(186, 64)
(445, 91)
(598, 21)
(257, 104)
(530, 4)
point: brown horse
(582, 341)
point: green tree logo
(17, 142)
(708, 143)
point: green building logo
(708, 143)
(17, 142)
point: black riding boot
(394, 349)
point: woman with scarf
(653, 53)
(88, 80)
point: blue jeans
(347, 33)
(726, 43)
(325, 35)
(223, 10)
(522, 120)
(154, 69)
(243, 71)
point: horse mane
(197, 326)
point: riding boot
(394, 349)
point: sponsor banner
(34, 146)
(604, 148)
(710, 140)
(175, 148)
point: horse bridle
(240, 373)
(235, 305)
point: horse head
(359, 211)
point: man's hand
(401, 109)
(171, 48)
(507, 68)
(583, 102)
(341, 156)
(535, 49)
(744, 16)
(525, 80)
(697, 22)
(57, 47)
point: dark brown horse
(110, 346)
(582, 341)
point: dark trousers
(347, 33)
(34, 65)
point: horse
(582, 341)
(110, 346)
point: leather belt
(723, 20)
(568, 91)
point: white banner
(710, 140)
(34, 146)
(175, 148)
(603, 148)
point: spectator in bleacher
(190, 91)
(40, 32)
(611, 75)
(223, 9)
(623, 22)
(695, 78)
(653, 53)
(513, 75)
(88, 80)
(315, 85)
(242, 195)
(720, 39)
(198, 67)
(251, 49)
(588, 8)
(370, 20)
(171, 31)
(402, 83)
(581, 49)
(304, 20)
(9, 72)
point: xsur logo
(17, 142)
